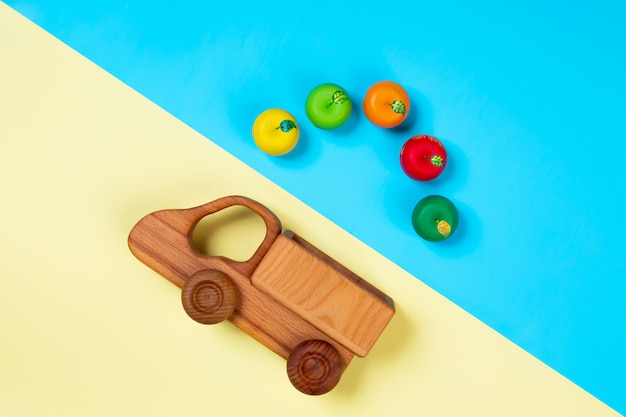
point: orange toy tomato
(386, 104)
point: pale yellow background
(87, 330)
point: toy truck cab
(289, 295)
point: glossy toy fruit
(435, 218)
(275, 132)
(386, 104)
(328, 106)
(423, 157)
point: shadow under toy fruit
(289, 295)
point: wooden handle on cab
(272, 224)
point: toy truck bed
(321, 291)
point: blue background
(529, 99)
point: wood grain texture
(161, 240)
(306, 296)
(339, 267)
(209, 296)
(313, 367)
(322, 295)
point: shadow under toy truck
(290, 296)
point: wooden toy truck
(289, 295)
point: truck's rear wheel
(314, 367)
(209, 296)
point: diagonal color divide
(528, 101)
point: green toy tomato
(435, 218)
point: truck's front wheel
(209, 296)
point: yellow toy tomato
(275, 132)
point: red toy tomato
(423, 157)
